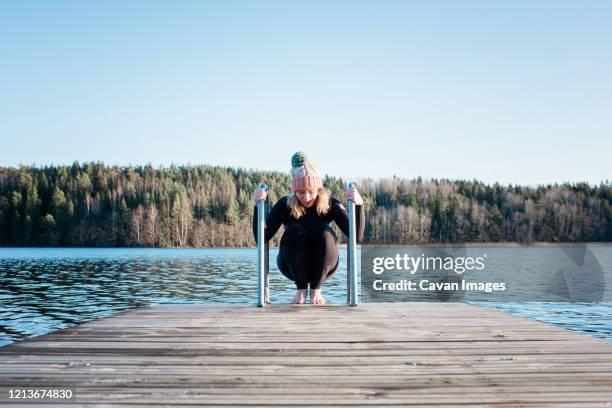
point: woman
(308, 252)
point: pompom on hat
(304, 174)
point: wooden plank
(392, 354)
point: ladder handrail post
(352, 297)
(267, 259)
(261, 251)
(349, 297)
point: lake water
(45, 289)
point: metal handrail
(351, 270)
(263, 258)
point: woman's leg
(293, 255)
(324, 257)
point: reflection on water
(594, 319)
(45, 289)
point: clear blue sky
(514, 91)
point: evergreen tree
(97, 205)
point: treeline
(209, 206)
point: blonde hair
(322, 204)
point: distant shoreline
(495, 244)
(425, 245)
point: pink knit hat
(304, 174)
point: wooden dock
(408, 354)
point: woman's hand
(353, 194)
(259, 194)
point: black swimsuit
(308, 252)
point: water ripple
(43, 289)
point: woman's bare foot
(316, 298)
(300, 297)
